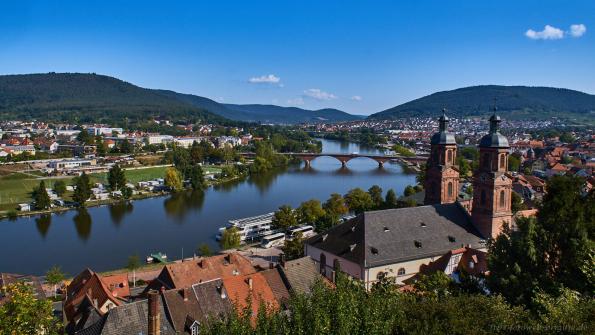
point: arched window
(483, 197)
(502, 161)
(502, 198)
(322, 263)
(450, 189)
(449, 156)
(336, 264)
(401, 272)
(486, 161)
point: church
(444, 234)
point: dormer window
(417, 244)
(374, 251)
(422, 224)
(451, 239)
(386, 229)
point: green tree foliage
(310, 211)
(567, 137)
(55, 276)
(409, 190)
(403, 151)
(82, 192)
(335, 206)
(126, 147)
(390, 201)
(547, 253)
(197, 178)
(116, 178)
(421, 175)
(464, 166)
(204, 250)
(294, 248)
(126, 192)
(22, 313)
(60, 187)
(376, 194)
(285, 217)
(358, 200)
(85, 137)
(514, 163)
(101, 146)
(173, 179)
(230, 239)
(517, 203)
(41, 197)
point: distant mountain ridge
(84, 97)
(512, 102)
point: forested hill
(512, 101)
(263, 113)
(88, 98)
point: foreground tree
(284, 218)
(55, 276)
(294, 248)
(22, 313)
(116, 178)
(41, 197)
(204, 250)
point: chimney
(154, 317)
(271, 265)
(228, 258)
(282, 259)
(185, 292)
(249, 281)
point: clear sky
(359, 56)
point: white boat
(273, 240)
(306, 231)
(250, 228)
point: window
(502, 199)
(502, 161)
(401, 272)
(195, 329)
(322, 263)
(450, 189)
(449, 156)
(483, 197)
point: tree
(390, 200)
(41, 197)
(401, 150)
(567, 137)
(197, 153)
(204, 250)
(133, 264)
(230, 239)
(335, 206)
(126, 192)
(376, 193)
(173, 179)
(197, 178)
(284, 218)
(310, 211)
(85, 137)
(55, 276)
(22, 313)
(126, 147)
(60, 187)
(358, 200)
(82, 191)
(409, 190)
(101, 147)
(116, 178)
(294, 248)
(464, 167)
(514, 163)
(516, 203)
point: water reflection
(43, 223)
(82, 223)
(179, 204)
(119, 210)
(264, 181)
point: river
(102, 238)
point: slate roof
(279, 288)
(300, 274)
(396, 235)
(133, 318)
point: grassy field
(16, 187)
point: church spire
(443, 121)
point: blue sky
(359, 56)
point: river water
(102, 238)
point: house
(188, 273)
(24, 207)
(88, 290)
(394, 242)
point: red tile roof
(250, 289)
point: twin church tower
(492, 188)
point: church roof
(494, 139)
(396, 235)
(443, 136)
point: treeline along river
(102, 238)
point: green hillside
(512, 101)
(87, 98)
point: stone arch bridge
(344, 158)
